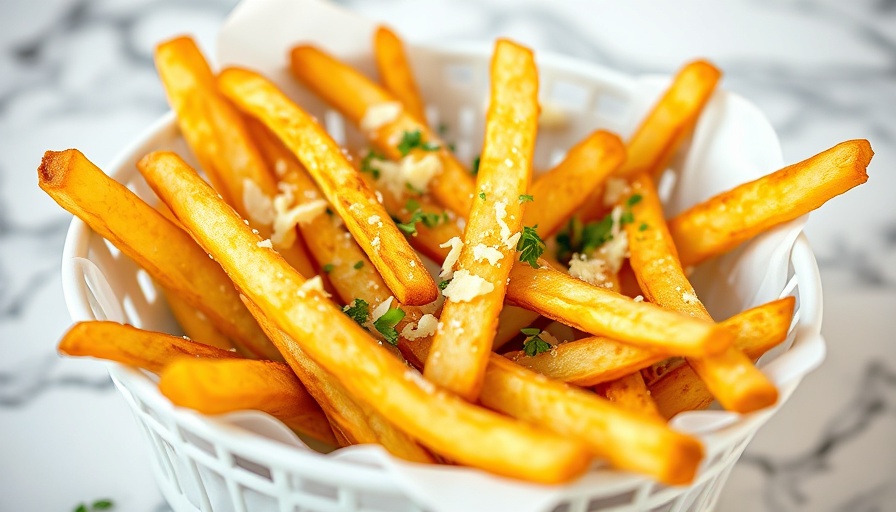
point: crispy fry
(765, 327)
(461, 347)
(167, 253)
(730, 375)
(395, 71)
(630, 393)
(134, 347)
(671, 120)
(723, 222)
(356, 204)
(353, 94)
(599, 311)
(591, 361)
(558, 193)
(195, 324)
(439, 420)
(218, 387)
(221, 142)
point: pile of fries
(562, 327)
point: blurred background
(79, 73)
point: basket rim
(75, 292)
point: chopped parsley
(444, 284)
(429, 219)
(386, 324)
(534, 345)
(482, 196)
(530, 246)
(358, 265)
(328, 268)
(579, 238)
(413, 140)
(474, 169)
(443, 129)
(367, 163)
(358, 311)
(104, 504)
(633, 200)
(643, 227)
(526, 198)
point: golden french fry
(167, 252)
(221, 142)
(671, 120)
(135, 347)
(765, 327)
(439, 420)
(558, 193)
(602, 312)
(395, 71)
(461, 347)
(723, 222)
(730, 375)
(591, 361)
(195, 324)
(356, 204)
(353, 95)
(630, 393)
(219, 387)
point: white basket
(222, 464)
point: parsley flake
(530, 246)
(358, 311)
(358, 265)
(328, 268)
(526, 198)
(482, 196)
(643, 227)
(444, 284)
(414, 140)
(429, 219)
(474, 169)
(633, 200)
(386, 324)
(102, 505)
(368, 166)
(534, 345)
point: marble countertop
(78, 73)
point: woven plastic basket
(247, 461)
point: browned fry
(167, 252)
(602, 312)
(440, 421)
(558, 193)
(475, 296)
(591, 361)
(395, 71)
(221, 142)
(723, 222)
(356, 204)
(671, 120)
(730, 375)
(353, 95)
(630, 393)
(194, 323)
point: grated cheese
(591, 270)
(373, 219)
(287, 216)
(257, 205)
(381, 309)
(639, 298)
(466, 286)
(314, 284)
(456, 245)
(484, 252)
(379, 115)
(265, 243)
(426, 326)
(414, 170)
(689, 298)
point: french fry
(730, 375)
(630, 393)
(596, 310)
(195, 324)
(439, 420)
(591, 361)
(557, 194)
(353, 94)
(128, 345)
(461, 347)
(401, 268)
(395, 71)
(221, 142)
(671, 120)
(723, 222)
(167, 252)
(222, 386)
(765, 328)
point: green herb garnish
(429, 219)
(358, 265)
(367, 163)
(633, 200)
(534, 345)
(482, 196)
(328, 268)
(526, 198)
(358, 311)
(103, 504)
(413, 140)
(386, 324)
(474, 169)
(444, 284)
(643, 227)
(530, 246)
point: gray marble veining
(78, 73)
